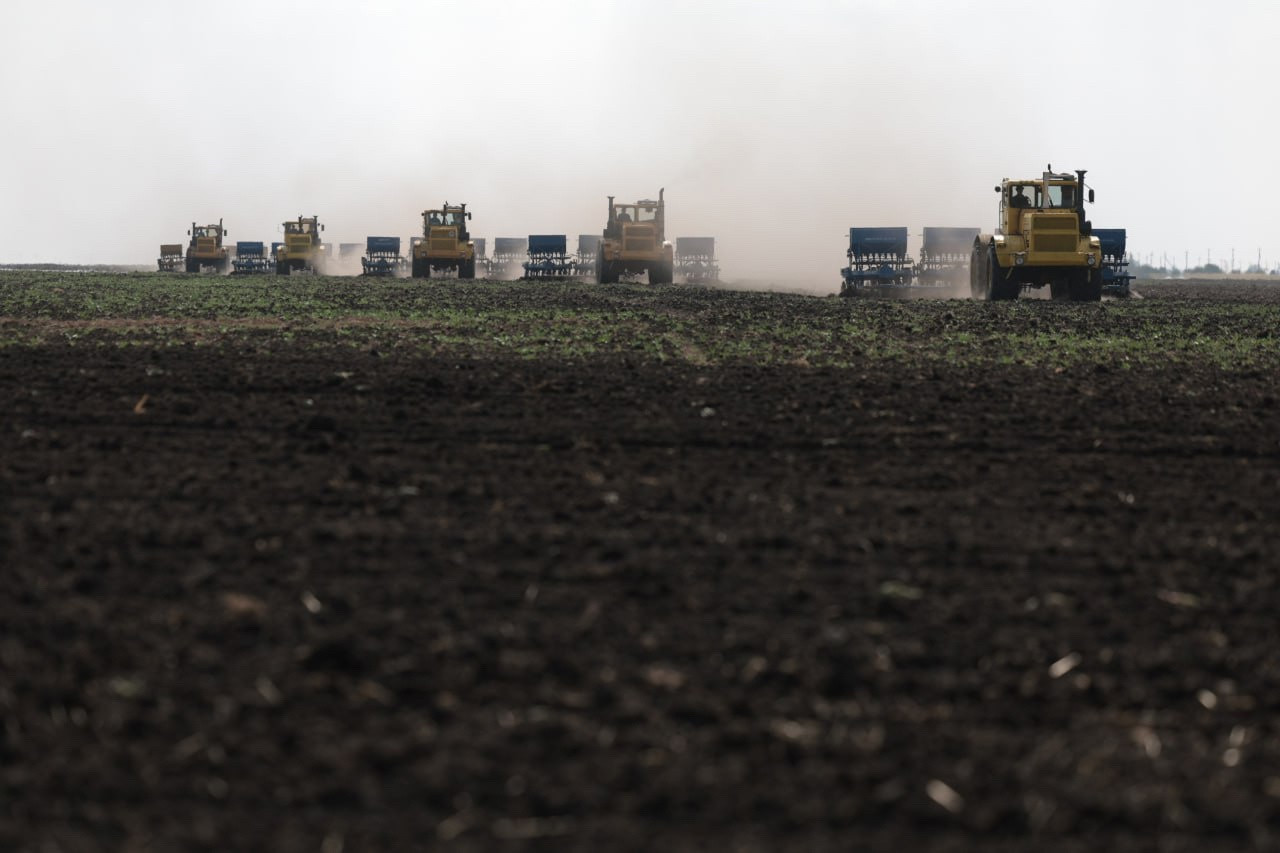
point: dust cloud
(772, 133)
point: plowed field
(325, 564)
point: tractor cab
(452, 217)
(1055, 193)
(206, 238)
(646, 211)
(302, 237)
(303, 227)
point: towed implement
(508, 253)
(1041, 238)
(879, 263)
(445, 245)
(548, 257)
(635, 242)
(878, 260)
(696, 260)
(1115, 264)
(944, 258)
(251, 258)
(170, 259)
(206, 249)
(382, 257)
(301, 248)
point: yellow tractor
(445, 244)
(1042, 238)
(301, 249)
(635, 242)
(206, 249)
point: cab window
(1024, 195)
(1060, 196)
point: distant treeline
(77, 267)
(1146, 271)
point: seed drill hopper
(508, 255)
(548, 257)
(170, 259)
(251, 258)
(382, 257)
(878, 260)
(1115, 265)
(696, 260)
(944, 259)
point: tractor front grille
(1055, 242)
(1054, 222)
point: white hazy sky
(773, 126)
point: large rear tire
(979, 276)
(282, 267)
(661, 273)
(1086, 288)
(467, 269)
(1002, 289)
(605, 272)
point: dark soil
(305, 597)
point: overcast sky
(774, 126)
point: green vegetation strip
(575, 320)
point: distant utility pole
(1233, 261)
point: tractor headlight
(1019, 258)
(1092, 259)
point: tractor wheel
(193, 266)
(418, 270)
(1086, 288)
(605, 272)
(1002, 290)
(979, 275)
(661, 273)
(467, 269)
(282, 267)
